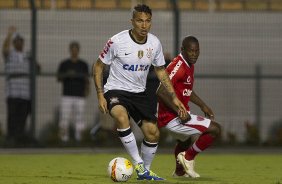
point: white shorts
(72, 107)
(182, 131)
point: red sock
(200, 145)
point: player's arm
(61, 73)
(163, 95)
(7, 42)
(194, 98)
(170, 93)
(97, 71)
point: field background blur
(238, 72)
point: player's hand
(102, 103)
(208, 112)
(182, 112)
(184, 118)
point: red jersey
(181, 75)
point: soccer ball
(120, 169)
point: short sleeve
(159, 56)
(108, 53)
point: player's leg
(141, 112)
(120, 116)
(180, 147)
(150, 142)
(118, 103)
(12, 120)
(208, 130)
(204, 141)
(149, 147)
(79, 107)
(23, 110)
(185, 137)
(65, 112)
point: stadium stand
(275, 5)
(230, 5)
(161, 5)
(105, 4)
(199, 5)
(125, 4)
(185, 5)
(81, 4)
(7, 4)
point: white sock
(148, 151)
(129, 142)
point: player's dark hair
(74, 44)
(141, 8)
(189, 39)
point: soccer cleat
(144, 174)
(155, 176)
(179, 171)
(188, 165)
(177, 175)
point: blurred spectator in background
(73, 73)
(17, 87)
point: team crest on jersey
(114, 100)
(140, 54)
(200, 118)
(149, 52)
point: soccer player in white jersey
(199, 131)
(130, 53)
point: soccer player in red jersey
(200, 131)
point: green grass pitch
(91, 169)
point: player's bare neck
(74, 59)
(136, 38)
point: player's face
(141, 23)
(191, 53)
(19, 44)
(74, 52)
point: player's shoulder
(176, 62)
(65, 61)
(153, 38)
(120, 36)
(83, 62)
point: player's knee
(216, 129)
(122, 121)
(153, 134)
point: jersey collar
(133, 39)
(184, 60)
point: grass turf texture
(92, 169)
